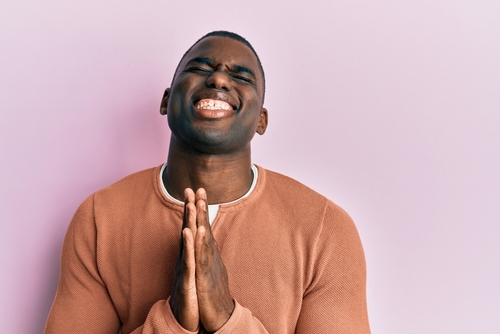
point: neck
(225, 178)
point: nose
(219, 80)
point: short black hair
(228, 34)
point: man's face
(215, 102)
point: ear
(164, 101)
(262, 126)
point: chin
(217, 143)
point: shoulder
(133, 181)
(135, 185)
(123, 202)
(128, 193)
(294, 196)
(325, 227)
(291, 187)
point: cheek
(253, 106)
(251, 96)
(250, 121)
(183, 85)
(177, 98)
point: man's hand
(214, 300)
(200, 290)
(183, 300)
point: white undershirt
(213, 208)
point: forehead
(225, 51)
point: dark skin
(209, 151)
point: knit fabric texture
(294, 260)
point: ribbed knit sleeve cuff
(172, 323)
(228, 327)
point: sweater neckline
(249, 197)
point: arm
(335, 301)
(82, 303)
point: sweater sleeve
(242, 321)
(162, 320)
(335, 301)
(82, 303)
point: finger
(184, 298)
(189, 260)
(214, 298)
(204, 254)
(189, 197)
(201, 258)
(202, 214)
(189, 315)
(190, 213)
(201, 194)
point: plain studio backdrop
(389, 108)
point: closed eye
(242, 78)
(197, 69)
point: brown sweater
(294, 260)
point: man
(274, 257)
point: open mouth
(211, 104)
(213, 109)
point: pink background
(390, 108)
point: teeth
(213, 105)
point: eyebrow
(201, 60)
(209, 62)
(239, 69)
